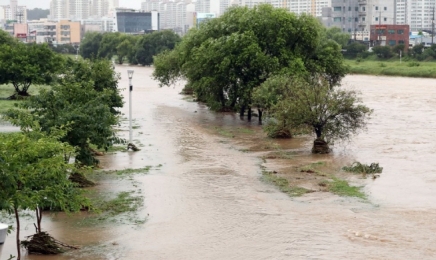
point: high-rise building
(58, 9)
(202, 6)
(14, 12)
(78, 9)
(419, 14)
(313, 7)
(99, 8)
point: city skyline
(45, 4)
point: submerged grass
(283, 184)
(144, 170)
(342, 188)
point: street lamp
(77, 47)
(130, 74)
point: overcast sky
(45, 4)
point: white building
(58, 10)
(202, 6)
(14, 12)
(419, 14)
(307, 6)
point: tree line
(77, 110)
(287, 66)
(133, 49)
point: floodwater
(207, 202)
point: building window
(392, 42)
(386, 8)
(400, 42)
(349, 8)
(363, 19)
(391, 31)
(356, 19)
(376, 8)
(363, 9)
(381, 31)
(349, 30)
(336, 19)
(356, 8)
(400, 31)
(385, 19)
(337, 8)
(376, 18)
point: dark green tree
(34, 172)
(311, 103)
(6, 38)
(336, 34)
(25, 64)
(89, 47)
(383, 52)
(275, 41)
(154, 43)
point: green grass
(283, 184)
(122, 203)
(224, 132)
(312, 167)
(342, 188)
(129, 171)
(393, 67)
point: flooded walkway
(207, 202)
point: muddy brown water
(207, 202)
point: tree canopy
(34, 173)
(82, 104)
(228, 57)
(25, 64)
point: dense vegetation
(243, 60)
(134, 49)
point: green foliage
(336, 34)
(413, 64)
(417, 50)
(24, 64)
(342, 188)
(397, 48)
(101, 73)
(78, 105)
(355, 49)
(7, 39)
(34, 174)
(283, 184)
(383, 52)
(358, 167)
(64, 48)
(228, 57)
(89, 47)
(394, 68)
(154, 43)
(331, 113)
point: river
(206, 200)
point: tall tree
(278, 42)
(90, 45)
(154, 43)
(25, 64)
(34, 172)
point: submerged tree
(228, 57)
(34, 173)
(331, 113)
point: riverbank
(393, 67)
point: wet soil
(206, 200)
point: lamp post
(77, 47)
(130, 74)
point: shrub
(413, 64)
(383, 52)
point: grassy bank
(393, 67)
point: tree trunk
(318, 131)
(38, 219)
(260, 115)
(17, 218)
(242, 111)
(320, 146)
(249, 113)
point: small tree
(33, 173)
(331, 113)
(23, 65)
(383, 52)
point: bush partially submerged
(358, 167)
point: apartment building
(62, 32)
(356, 16)
(13, 12)
(72, 9)
(419, 14)
(308, 6)
(135, 22)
